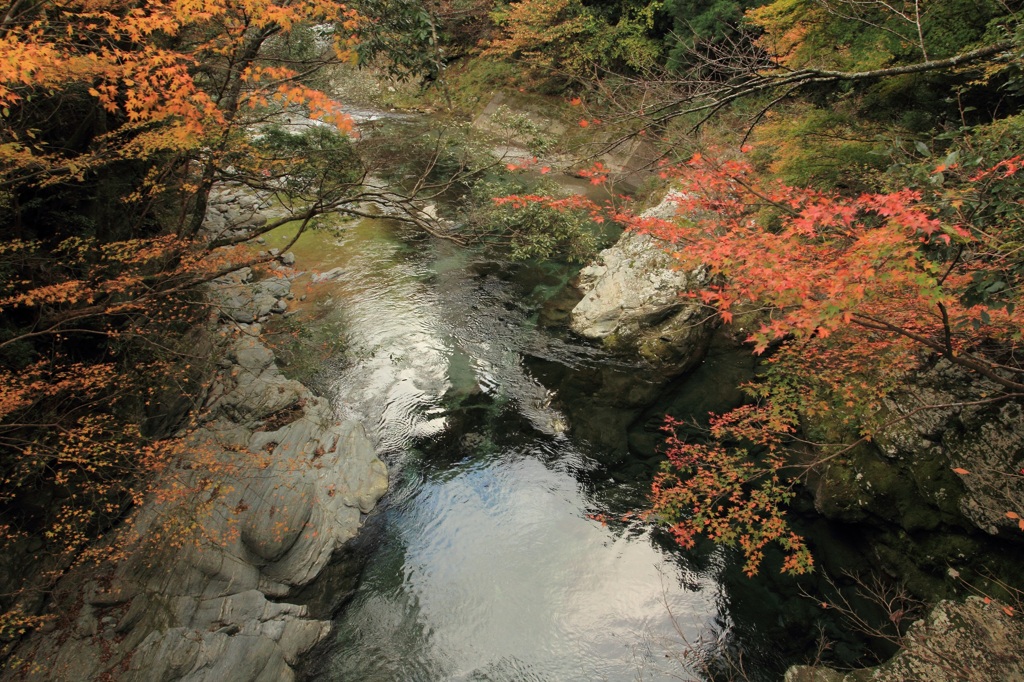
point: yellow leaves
(63, 293)
(785, 24)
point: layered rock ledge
(262, 494)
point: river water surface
(487, 561)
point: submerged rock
(633, 301)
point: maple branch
(161, 285)
(947, 333)
(304, 216)
(412, 215)
(903, 417)
(13, 12)
(983, 367)
(761, 195)
(952, 264)
(227, 102)
(823, 76)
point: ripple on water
(486, 566)
(501, 574)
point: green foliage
(856, 36)
(523, 130)
(569, 40)
(632, 40)
(824, 148)
(701, 21)
(403, 36)
(951, 165)
(411, 39)
(528, 230)
(475, 81)
(951, 26)
(314, 162)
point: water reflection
(493, 571)
(487, 564)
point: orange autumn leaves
(163, 98)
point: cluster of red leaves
(851, 292)
(727, 494)
(824, 261)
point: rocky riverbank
(258, 498)
(972, 640)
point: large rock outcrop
(953, 417)
(971, 640)
(633, 301)
(950, 457)
(941, 422)
(260, 497)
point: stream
(485, 561)
(514, 450)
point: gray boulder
(633, 301)
(239, 301)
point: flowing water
(487, 561)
